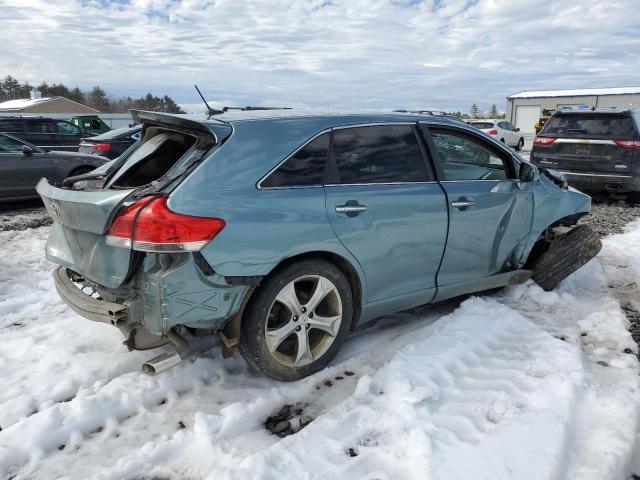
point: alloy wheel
(303, 320)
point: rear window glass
(592, 125)
(377, 154)
(481, 125)
(305, 168)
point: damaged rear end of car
(125, 257)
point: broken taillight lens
(543, 140)
(149, 225)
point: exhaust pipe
(167, 360)
(161, 363)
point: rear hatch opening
(159, 150)
(84, 212)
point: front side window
(9, 145)
(377, 154)
(305, 168)
(465, 158)
(67, 128)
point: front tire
(297, 320)
(566, 254)
(520, 145)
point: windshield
(482, 125)
(617, 126)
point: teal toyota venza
(282, 231)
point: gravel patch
(20, 216)
(607, 219)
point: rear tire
(566, 254)
(520, 145)
(297, 320)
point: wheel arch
(541, 243)
(356, 282)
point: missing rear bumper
(95, 309)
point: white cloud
(337, 53)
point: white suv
(502, 130)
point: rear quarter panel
(263, 227)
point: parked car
(597, 151)
(46, 133)
(283, 231)
(112, 143)
(22, 165)
(501, 130)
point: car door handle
(462, 204)
(351, 208)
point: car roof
(601, 111)
(337, 117)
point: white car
(501, 130)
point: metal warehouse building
(524, 109)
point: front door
(386, 209)
(19, 173)
(490, 211)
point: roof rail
(439, 113)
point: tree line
(11, 89)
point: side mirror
(527, 172)
(517, 129)
(26, 150)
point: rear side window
(11, 125)
(465, 158)
(40, 126)
(377, 154)
(590, 125)
(305, 168)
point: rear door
(19, 173)
(41, 132)
(585, 142)
(490, 212)
(386, 208)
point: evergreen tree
(474, 111)
(97, 99)
(493, 112)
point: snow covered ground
(520, 384)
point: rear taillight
(543, 140)
(492, 132)
(629, 144)
(149, 226)
(101, 147)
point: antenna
(211, 111)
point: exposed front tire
(297, 320)
(520, 145)
(566, 254)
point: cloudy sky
(337, 53)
